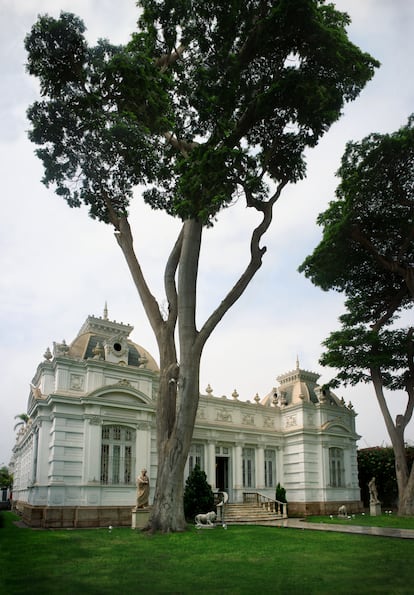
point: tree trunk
(179, 392)
(406, 495)
(168, 507)
(405, 480)
(179, 383)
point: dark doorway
(222, 474)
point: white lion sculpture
(342, 511)
(205, 519)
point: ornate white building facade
(92, 411)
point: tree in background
(23, 419)
(6, 478)
(379, 462)
(198, 495)
(367, 252)
(210, 102)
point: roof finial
(297, 362)
(105, 312)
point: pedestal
(375, 508)
(140, 518)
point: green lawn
(239, 560)
(365, 520)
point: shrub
(280, 493)
(198, 495)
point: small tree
(198, 495)
(280, 493)
(6, 479)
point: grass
(237, 561)
(365, 520)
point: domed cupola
(102, 339)
(296, 386)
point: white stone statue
(143, 488)
(342, 512)
(373, 493)
(205, 519)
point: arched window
(117, 455)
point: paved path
(355, 529)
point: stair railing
(267, 503)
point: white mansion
(91, 430)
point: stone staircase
(248, 514)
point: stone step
(248, 513)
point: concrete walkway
(355, 529)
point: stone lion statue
(205, 519)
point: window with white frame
(336, 467)
(248, 467)
(270, 467)
(117, 455)
(196, 457)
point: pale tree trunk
(168, 509)
(405, 480)
(178, 397)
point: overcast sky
(58, 266)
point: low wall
(54, 517)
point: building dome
(297, 386)
(104, 339)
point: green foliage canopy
(206, 101)
(367, 247)
(367, 251)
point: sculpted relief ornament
(224, 416)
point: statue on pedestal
(143, 488)
(373, 493)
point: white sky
(58, 266)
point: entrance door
(222, 474)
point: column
(238, 475)
(260, 479)
(211, 464)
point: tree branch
(166, 60)
(169, 280)
(183, 146)
(124, 238)
(187, 283)
(256, 256)
(406, 272)
(393, 306)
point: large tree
(367, 252)
(209, 101)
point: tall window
(117, 461)
(196, 457)
(248, 467)
(270, 468)
(336, 467)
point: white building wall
(79, 396)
